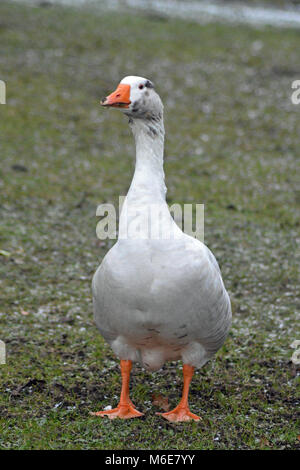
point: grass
(232, 143)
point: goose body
(158, 295)
(157, 301)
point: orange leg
(182, 411)
(125, 408)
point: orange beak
(119, 98)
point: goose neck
(148, 180)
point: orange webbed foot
(125, 411)
(180, 414)
(125, 408)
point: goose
(156, 298)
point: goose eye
(141, 86)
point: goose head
(137, 98)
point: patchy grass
(232, 143)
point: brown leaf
(161, 402)
(23, 312)
(264, 442)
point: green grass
(232, 143)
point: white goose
(156, 298)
